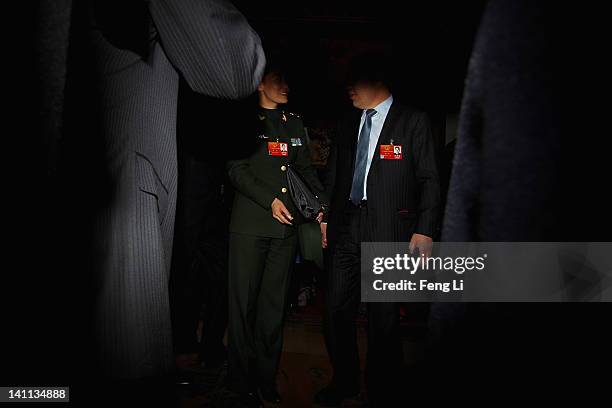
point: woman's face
(274, 88)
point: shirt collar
(383, 108)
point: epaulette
(285, 116)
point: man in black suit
(384, 187)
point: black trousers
(198, 280)
(384, 356)
(259, 273)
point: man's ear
(260, 88)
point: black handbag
(303, 196)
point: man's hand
(423, 243)
(280, 212)
(324, 235)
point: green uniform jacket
(262, 177)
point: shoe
(270, 395)
(332, 395)
(251, 399)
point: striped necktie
(361, 161)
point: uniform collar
(271, 113)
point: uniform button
(284, 190)
(284, 168)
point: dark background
(46, 299)
(45, 303)
(427, 43)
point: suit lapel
(385, 133)
(354, 135)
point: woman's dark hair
(249, 127)
(274, 65)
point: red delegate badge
(391, 152)
(278, 149)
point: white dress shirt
(378, 120)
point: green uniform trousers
(259, 274)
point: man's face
(275, 88)
(362, 94)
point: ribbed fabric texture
(135, 232)
(213, 47)
(526, 165)
(214, 31)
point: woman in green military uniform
(263, 241)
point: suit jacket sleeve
(427, 178)
(329, 177)
(249, 184)
(211, 44)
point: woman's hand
(280, 212)
(323, 234)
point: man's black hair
(369, 67)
